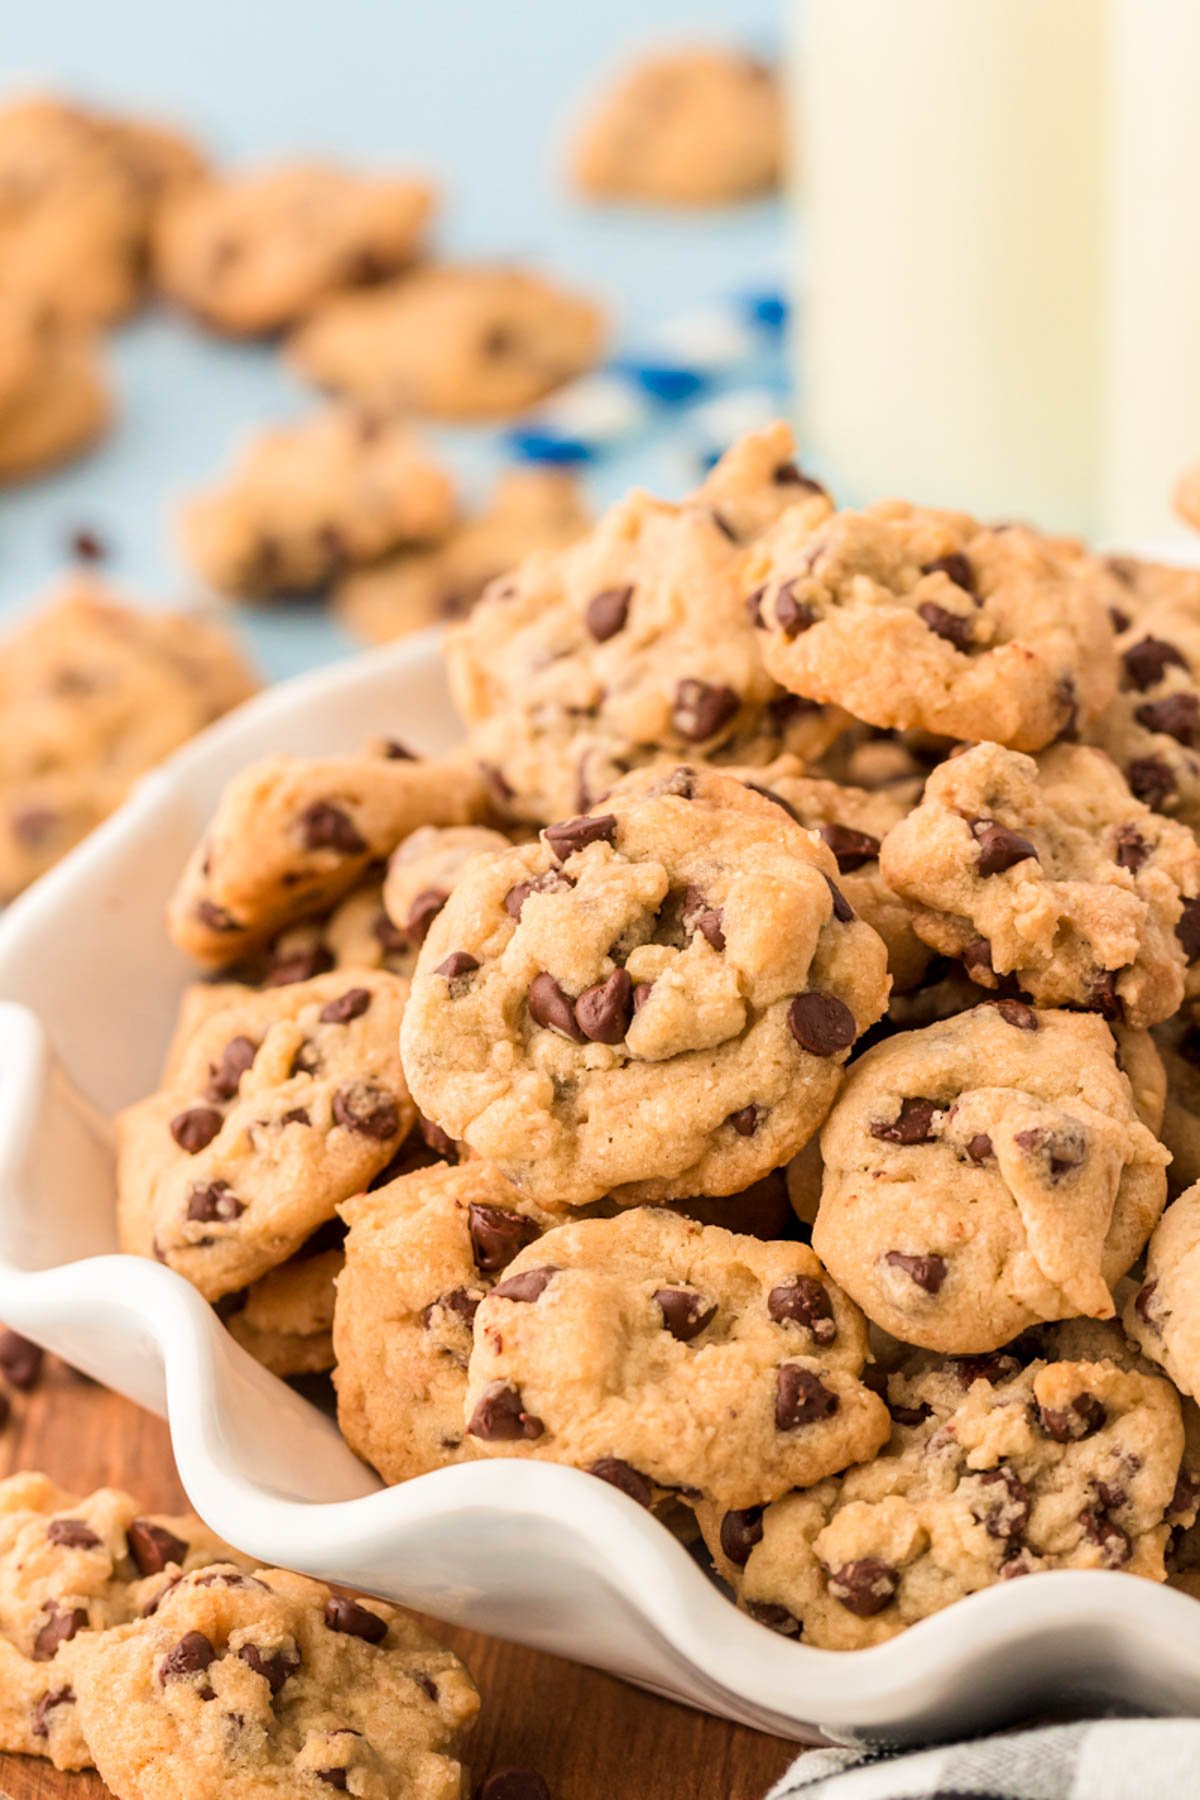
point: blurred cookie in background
(92, 694)
(250, 252)
(528, 509)
(687, 127)
(307, 501)
(455, 341)
(54, 397)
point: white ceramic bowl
(547, 1556)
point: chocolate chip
(1000, 848)
(774, 1617)
(803, 1300)
(33, 826)
(698, 916)
(513, 1784)
(607, 612)
(214, 1203)
(274, 1668)
(911, 1124)
(1146, 663)
(850, 848)
(787, 474)
(741, 1530)
(217, 918)
(368, 1110)
(641, 994)
(302, 965)
(326, 826)
(1016, 1013)
(423, 911)
(152, 1547)
(72, 1534)
(1142, 1306)
(190, 1656)
(87, 545)
(624, 1476)
(1151, 779)
(955, 568)
(337, 1779)
(46, 1703)
(754, 602)
(979, 1148)
(1186, 1495)
(1006, 1512)
(745, 1121)
(527, 1287)
(500, 1417)
(603, 1012)
(1062, 1151)
(346, 1615)
(306, 1060)
(685, 1314)
(224, 1078)
(910, 1415)
(396, 751)
(60, 1627)
(1112, 1540)
(5, 1410)
(995, 1369)
(195, 1129)
(1188, 929)
(865, 1586)
(927, 1272)
(549, 1006)
(350, 1005)
(977, 960)
(945, 624)
(497, 1235)
(464, 1306)
(701, 709)
(821, 1024)
(1130, 849)
(793, 615)
(1178, 716)
(387, 935)
(572, 835)
(1069, 1424)
(842, 909)
(456, 965)
(437, 1140)
(549, 883)
(801, 1398)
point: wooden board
(593, 1738)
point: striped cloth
(1096, 1759)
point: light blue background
(477, 92)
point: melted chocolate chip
(926, 1272)
(347, 1616)
(326, 826)
(572, 835)
(701, 709)
(911, 1124)
(821, 1024)
(803, 1300)
(740, 1531)
(801, 1398)
(195, 1129)
(152, 1547)
(603, 1012)
(685, 1314)
(350, 1005)
(850, 848)
(190, 1656)
(527, 1287)
(551, 1007)
(865, 1586)
(607, 612)
(500, 1417)
(497, 1235)
(624, 1476)
(369, 1111)
(275, 1668)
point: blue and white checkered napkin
(1097, 1759)
(708, 374)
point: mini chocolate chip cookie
(986, 1173)
(454, 342)
(990, 1474)
(653, 1000)
(292, 835)
(915, 618)
(665, 1355)
(635, 643)
(530, 509)
(248, 253)
(270, 1684)
(694, 127)
(54, 397)
(71, 1568)
(1163, 1316)
(285, 1103)
(421, 1253)
(1053, 873)
(304, 502)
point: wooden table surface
(592, 1738)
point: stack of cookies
(750, 1068)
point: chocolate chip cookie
(665, 1355)
(304, 502)
(654, 999)
(529, 509)
(916, 618)
(1162, 1317)
(452, 341)
(285, 1103)
(992, 1471)
(421, 1253)
(693, 127)
(292, 835)
(1051, 872)
(252, 1685)
(54, 396)
(986, 1173)
(70, 1568)
(248, 253)
(636, 643)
